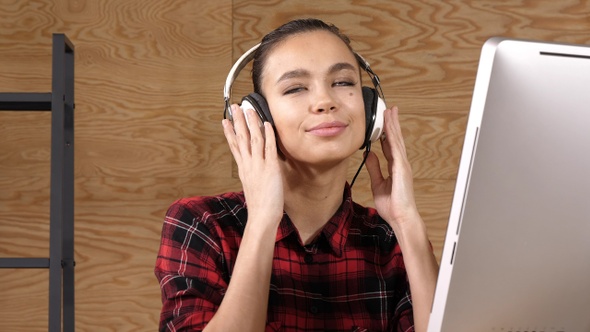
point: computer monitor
(516, 256)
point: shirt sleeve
(190, 270)
(404, 315)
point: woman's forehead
(316, 50)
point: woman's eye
(344, 83)
(293, 90)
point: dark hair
(279, 35)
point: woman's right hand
(255, 152)
(245, 304)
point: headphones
(372, 97)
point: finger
(374, 170)
(399, 163)
(399, 146)
(394, 147)
(270, 146)
(386, 143)
(241, 130)
(256, 138)
(230, 136)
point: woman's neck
(313, 197)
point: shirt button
(308, 258)
(314, 310)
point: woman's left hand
(394, 194)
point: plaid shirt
(351, 278)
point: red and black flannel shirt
(351, 278)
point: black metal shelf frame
(60, 102)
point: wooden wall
(149, 78)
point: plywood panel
(148, 82)
(148, 100)
(24, 216)
(149, 75)
(25, 299)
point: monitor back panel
(517, 249)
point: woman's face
(311, 82)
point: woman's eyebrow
(341, 66)
(297, 73)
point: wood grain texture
(24, 217)
(25, 299)
(149, 76)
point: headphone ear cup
(379, 120)
(374, 108)
(259, 104)
(370, 100)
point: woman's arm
(421, 267)
(244, 306)
(395, 203)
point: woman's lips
(327, 129)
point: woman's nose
(324, 100)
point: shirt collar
(335, 232)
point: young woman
(293, 252)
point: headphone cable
(366, 154)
